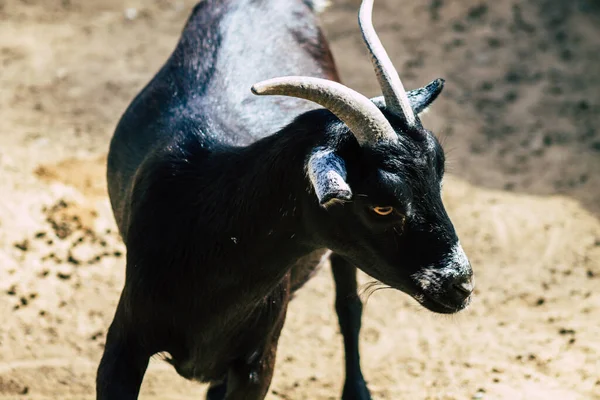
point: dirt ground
(519, 118)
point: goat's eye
(383, 210)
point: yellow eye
(383, 210)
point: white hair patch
(320, 5)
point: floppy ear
(327, 173)
(420, 98)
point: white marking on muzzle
(454, 264)
(459, 259)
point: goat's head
(380, 190)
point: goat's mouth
(441, 296)
(440, 305)
(443, 302)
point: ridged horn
(394, 93)
(365, 120)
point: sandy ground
(519, 119)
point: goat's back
(202, 93)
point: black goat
(227, 201)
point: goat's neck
(258, 226)
(273, 190)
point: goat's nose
(464, 285)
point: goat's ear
(327, 173)
(422, 98)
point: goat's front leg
(123, 363)
(249, 379)
(349, 310)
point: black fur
(209, 188)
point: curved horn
(365, 120)
(395, 96)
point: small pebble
(131, 13)
(478, 396)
